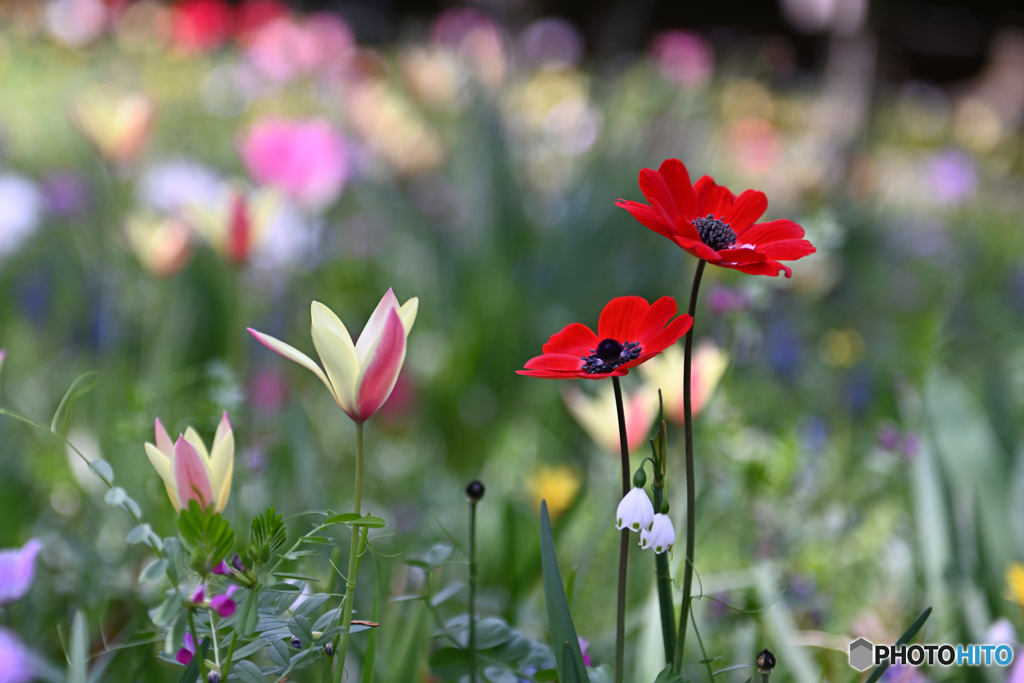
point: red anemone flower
(629, 331)
(710, 222)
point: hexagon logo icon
(860, 654)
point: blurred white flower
(635, 511)
(21, 204)
(170, 186)
(661, 536)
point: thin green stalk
(353, 561)
(691, 495)
(620, 611)
(196, 643)
(472, 589)
(663, 576)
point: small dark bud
(213, 677)
(236, 562)
(765, 661)
(475, 491)
(329, 649)
(296, 643)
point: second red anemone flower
(710, 222)
(629, 331)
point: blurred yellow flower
(162, 245)
(1015, 581)
(665, 372)
(597, 415)
(557, 485)
(117, 124)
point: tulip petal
(163, 440)
(375, 325)
(164, 467)
(222, 462)
(408, 313)
(191, 475)
(337, 353)
(293, 354)
(192, 436)
(380, 373)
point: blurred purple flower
(584, 646)
(551, 42)
(902, 673)
(15, 660)
(307, 160)
(683, 57)
(65, 194)
(953, 176)
(20, 206)
(891, 438)
(726, 300)
(184, 655)
(17, 568)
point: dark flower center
(609, 355)
(715, 232)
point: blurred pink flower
(15, 660)
(202, 25)
(683, 57)
(307, 160)
(185, 654)
(287, 47)
(17, 568)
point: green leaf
(368, 521)
(102, 469)
(78, 670)
(247, 672)
(299, 627)
(138, 534)
(154, 571)
(82, 384)
(248, 614)
(450, 663)
(907, 636)
(566, 645)
(343, 518)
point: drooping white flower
(661, 536)
(635, 511)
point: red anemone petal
(769, 268)
(746, 255)
(787, 249)
(654, 187)
(575, 338)
(620, 319)
(701, 250)
(678, 180)
(561, 362)
(772, 231)
(672, 333)
(712, 198)
(748, 207)
(654, 320)
(648, 216)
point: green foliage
(566, 644)
(267, 533)
(206, 536)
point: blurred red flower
(710, 222)
(629, 332)
(203, 25)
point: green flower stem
(691, 495)
(353, 561)
(620, 612)
(213, 636)
(197, 643)
(663, 576)
(473, 568)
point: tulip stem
(353, 560)
(691, 495)
(620, 612)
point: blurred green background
(859, 460)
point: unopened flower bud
(329, 649)
(639, 478)
(213, 677)
(475, 491)
(236, 562)
(765, 661)
(296, 643)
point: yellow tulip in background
(189, 471)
